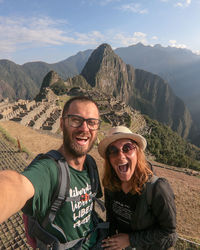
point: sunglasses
(127, 149)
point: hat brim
(140, 140)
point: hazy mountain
(6, 90)
(24, 81)
(179, 67)
(67, 68)
(20, 84)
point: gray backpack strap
(61, 193)
(149, 188)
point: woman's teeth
(123, 167)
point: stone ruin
(42, 115)
(113, 110)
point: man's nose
(84, 126)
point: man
(36, 185)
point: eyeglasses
(127, 149)
(76, 121)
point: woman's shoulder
(162, 187)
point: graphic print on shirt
(123, 211)
(81, 209)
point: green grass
(13, 141)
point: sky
(53, 30)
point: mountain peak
(106, 71)
(100, 56)
(50, 79)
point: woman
(134, 224)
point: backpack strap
(95, 182)
(149, 189)
(93, 173)
(63, 186)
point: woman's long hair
(140, 176)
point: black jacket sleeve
(162, 234)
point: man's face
(79, 141)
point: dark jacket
(152, 227)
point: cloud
(173, 43)
(133, 7)
(20, 33)
(154, 38)
(197, 52)
(105, 2)
(183, 3)
(120, 39)
(99, 2)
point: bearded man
(32, 190)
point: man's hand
(116, 242)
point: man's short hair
(77, 98)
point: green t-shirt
(74, 217)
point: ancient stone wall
(38, 115)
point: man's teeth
(123, 167)
(82, 138)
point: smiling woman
(127, 179)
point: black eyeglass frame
(83, 119)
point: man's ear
(61, 123)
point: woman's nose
(121, 154)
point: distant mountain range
(139, 88)
(179, 67)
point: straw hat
(120, 132)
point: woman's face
(123, 158)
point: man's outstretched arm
(15, 190)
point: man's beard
(71, 146)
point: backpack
(149, 189)
(36, 234)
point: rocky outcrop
(51, 78)
(106, 71)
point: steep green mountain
(169, 148)
(20, 84)
(142, 90)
